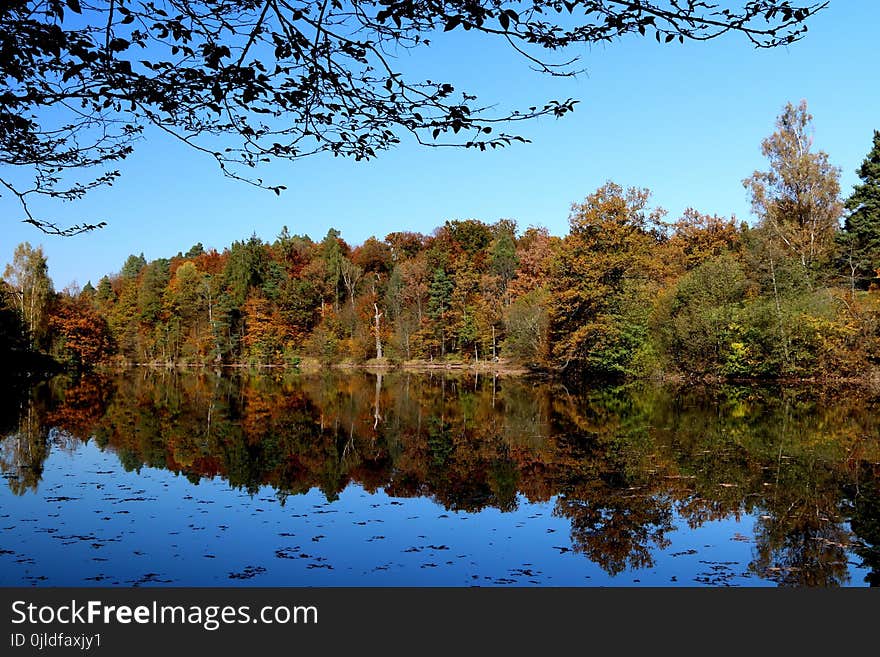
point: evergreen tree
(860, 239)
(440, 294)
(154, 282)
(604, 260)
(246, 268)
(331, 253)
(439, 297)
(195, 250)
(503, 261)
(104, 293)
(133, 266)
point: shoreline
(309, 366)
(504, 369)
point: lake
(167, 478)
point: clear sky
(685, 121)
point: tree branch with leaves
(250, 81)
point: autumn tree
(188, 299)
(28, 279)
(535, 254)
(526, 325)
(698, 237)
(797, 199)
(80, 335)
(406, 301)
(404, 244)
(468, 235)
(373, 256)
(265, 335)
(596, 278)
(860, 238)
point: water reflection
(620, 464)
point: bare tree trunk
(378, 316)
(376, 415)
(852, 273)
(351, 275)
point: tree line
(628, 291)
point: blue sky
(685, 121)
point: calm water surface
(404, 479)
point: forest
(628, 292)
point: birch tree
(798, 198)
(28, 276)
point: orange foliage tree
(81, 337)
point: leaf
(669, 37)
(74, 6)
(452, 23)
(71, 71)
(118, 45)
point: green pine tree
(860, 239)
(439, 296)
(133, 266)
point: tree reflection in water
(619, 462)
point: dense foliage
(626, 292)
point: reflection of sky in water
(91, 522)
